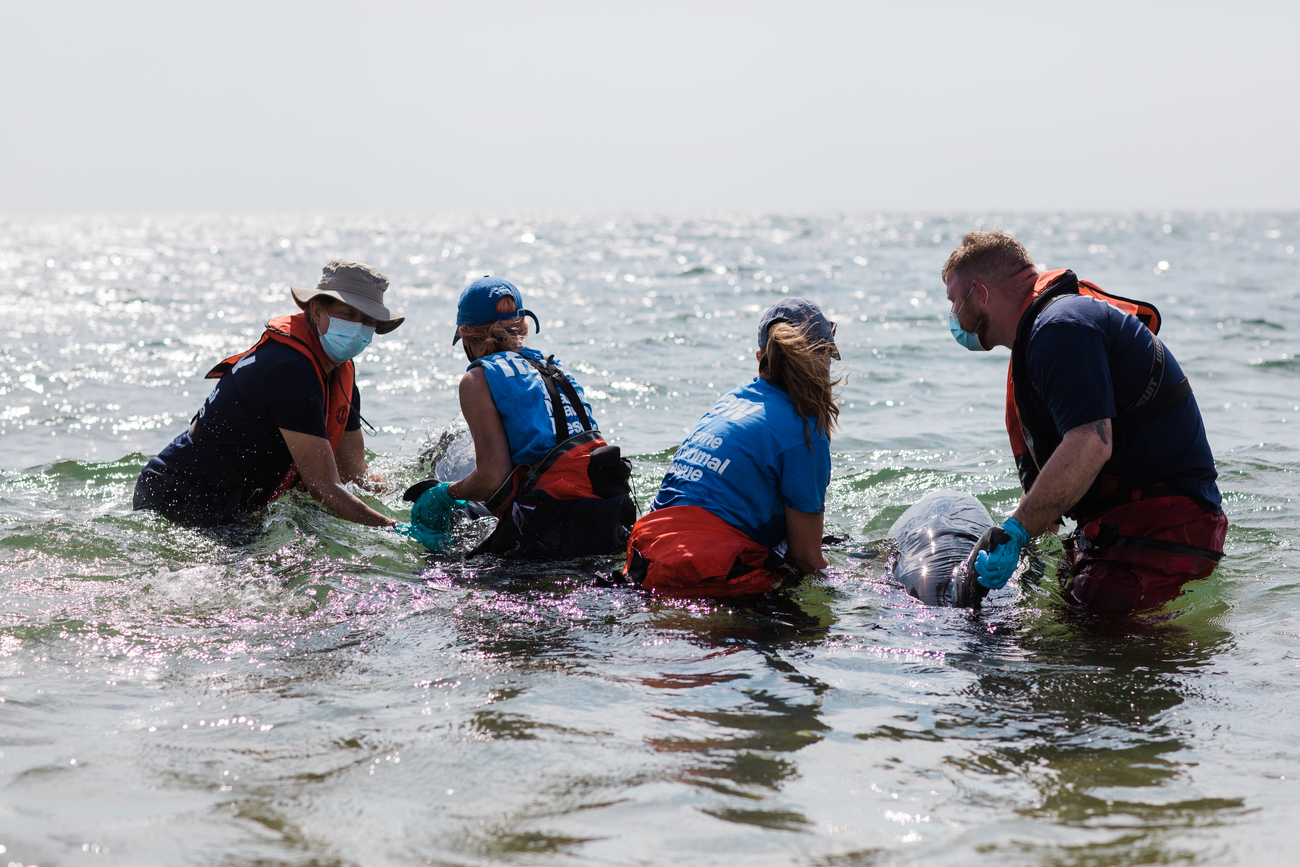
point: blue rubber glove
(994, 569)
(431, 518)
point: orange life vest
(336, 385)
(1049, 285)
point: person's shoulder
(1075, 313)
(747, 392)
(275, 361)
(760, 390)
(736, 406)
(474, 383)
(275, 353)
(529, 352)
(776, 410)
(1078, 307)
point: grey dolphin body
(452, 456)
(448, 458)
(936, 540)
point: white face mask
(346, 339)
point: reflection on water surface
(301, 691)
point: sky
(384, 105)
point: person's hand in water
(431, 518)
(994, 568)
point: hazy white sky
(290, 104)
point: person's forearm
(804, 540)
(1067, 476)
(337, 499)
(477, 486)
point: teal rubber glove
(431, 517)
(431, 541)
(995, 568)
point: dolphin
(936, 541)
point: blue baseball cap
(801, 313)
(478, 304)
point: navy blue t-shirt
(275, 387)
(1089, 360)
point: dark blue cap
(478, 304)
(801, 313)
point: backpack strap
(523, 478)
(555, 381)
(570, 392)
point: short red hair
(990, 255)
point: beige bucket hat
(356, 284)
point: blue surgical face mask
(346, 339)
(968, 339)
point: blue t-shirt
(524, 404)
(747, 459)
(275, 387)
(1089, 360)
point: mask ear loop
(366, 427)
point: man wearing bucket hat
(285, 413)
(742, 504)
(558, 489)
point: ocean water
(302, 691)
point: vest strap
(1131, 418)
(1105, 536)
(570, 392)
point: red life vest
(1027, 424)
(336, 385)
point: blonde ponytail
(796, 366)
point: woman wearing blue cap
(744, 497)
(541, 465)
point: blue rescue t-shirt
(748, 459)
(275, 387)
(524, 404)
(1089, 360)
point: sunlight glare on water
(300, 690)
